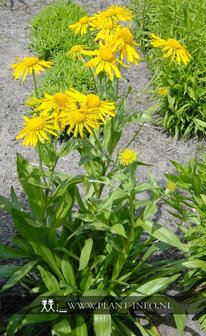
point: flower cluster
(69, 109)
(115, 41)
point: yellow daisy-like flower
(107, 31)
(76, 51)
(171, 186)
(57, 102)
(36, 129)
(163, 91)
(111, 15)
(124, 40)
(27, 65)
(82, 25)
(105, 60)
(78, 119)
(127, 156)
(92, 102)
(173, 48)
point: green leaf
(36, 237)
(8, 270)
(35, 193)
(5, 204)
(80, 328)
(18, 275)
(49, 279)
(68, 271)
(163, 234)
(67, 148)
(154, 286)
(15, 201)
(63, 207)
(62, 327)
(102, 324)
(85, 254)
(10, 252)
(86, 281)
(118, 229)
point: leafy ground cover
(185, 22)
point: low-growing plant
(189, 202)
(185, 22)
(88, 236)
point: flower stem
(136, 134)
(40, 163)
(35, 85)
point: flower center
(75, 49)
(128, 156)
(79, 117)
(61, 99)
(31, 61)
(174, 44)
(36, 124)
(92, 100)
(106, 54)
(84, 20)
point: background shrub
(184, 21)
(52, 38)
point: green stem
(35, 85)
(136, 134)
(131, 233)
(40, 164)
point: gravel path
(154, 145)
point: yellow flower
(92, 102)
(107, 31)
(171, 186)
(163, 91)
(127, 156)
(81, 26)
(57, 102)
(28, 65)
(105, 60)
(76, 51)
(173, 48)
(112, 15)
(124, 39)
(78, 119)
(36, 129)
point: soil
(154, 145)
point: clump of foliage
(184, 21)
(189, 202)
(52, 38)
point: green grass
(51, 39)
(184, 21)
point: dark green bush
(184, 21)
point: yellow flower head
(173, 48)
(105, 60)
(124, 40)
(28, 65)
(92, 102)
(111, 15)
(82, 25)
(79, 118)
(57, 102)
(163, 91)
(76, 51)
(171, 186)
(127, 156)
(107, 31)
(36, 129)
